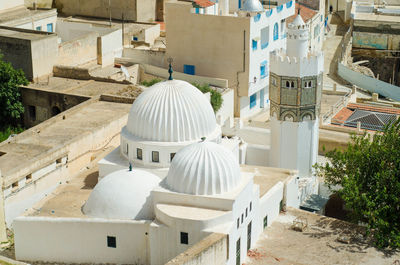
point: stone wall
(133, 10)
(41, 105)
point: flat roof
(268, 177)
(88, 88)
(24, 34)
(27, 148)
(190, 213)
(317, 245)
(20, 15)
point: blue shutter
(253, 100)
(50, 27)
(189, 69)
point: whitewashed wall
(269, 203)
(74, 240)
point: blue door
(189, 69)
(50, 27)
(240, 4)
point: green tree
(11, 108)
(215, 97)
(368, 176)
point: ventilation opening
(32, 112)
(55, 111)
(14, 186)
(28, 178)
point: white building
(174, 180)
(152, 213)
(230, 40)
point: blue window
(253, 100)
(135, 38)
(197, 10)
(276, 31)
(279, 8)
(257, 17)
(189, 69)
(254, 45)
(263, 69)
(240, 4)
(39, 28)
(50, 27)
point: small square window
(155, 156)
(14, 186)
(172, 155)
(28, 178)
(111, 241)
(246, 212)
(139, 154)
(39, 28)
(134, 38)
(184, 238)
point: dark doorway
(55, 111)
(248, 236)
(238, 252)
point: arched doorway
(55, 110)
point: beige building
(227, 41)
(32, 51)
(132, 10)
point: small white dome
(171, 111)
(252, 6)
(298, 21)
(123, 194)
(204, 168)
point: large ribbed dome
(123, 194)
(171, 111)
(204, 168)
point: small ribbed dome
(171, 111)
(204, 168)
(123, 194)
(252, 6)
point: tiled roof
(203, 3)
(370, 117)
(374, 108)
(305, 13)
(342, 116)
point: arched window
(292, 84)
(276, 31)
(287, 84)
(309, 84)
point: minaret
(295, 95)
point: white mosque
(175, 180)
